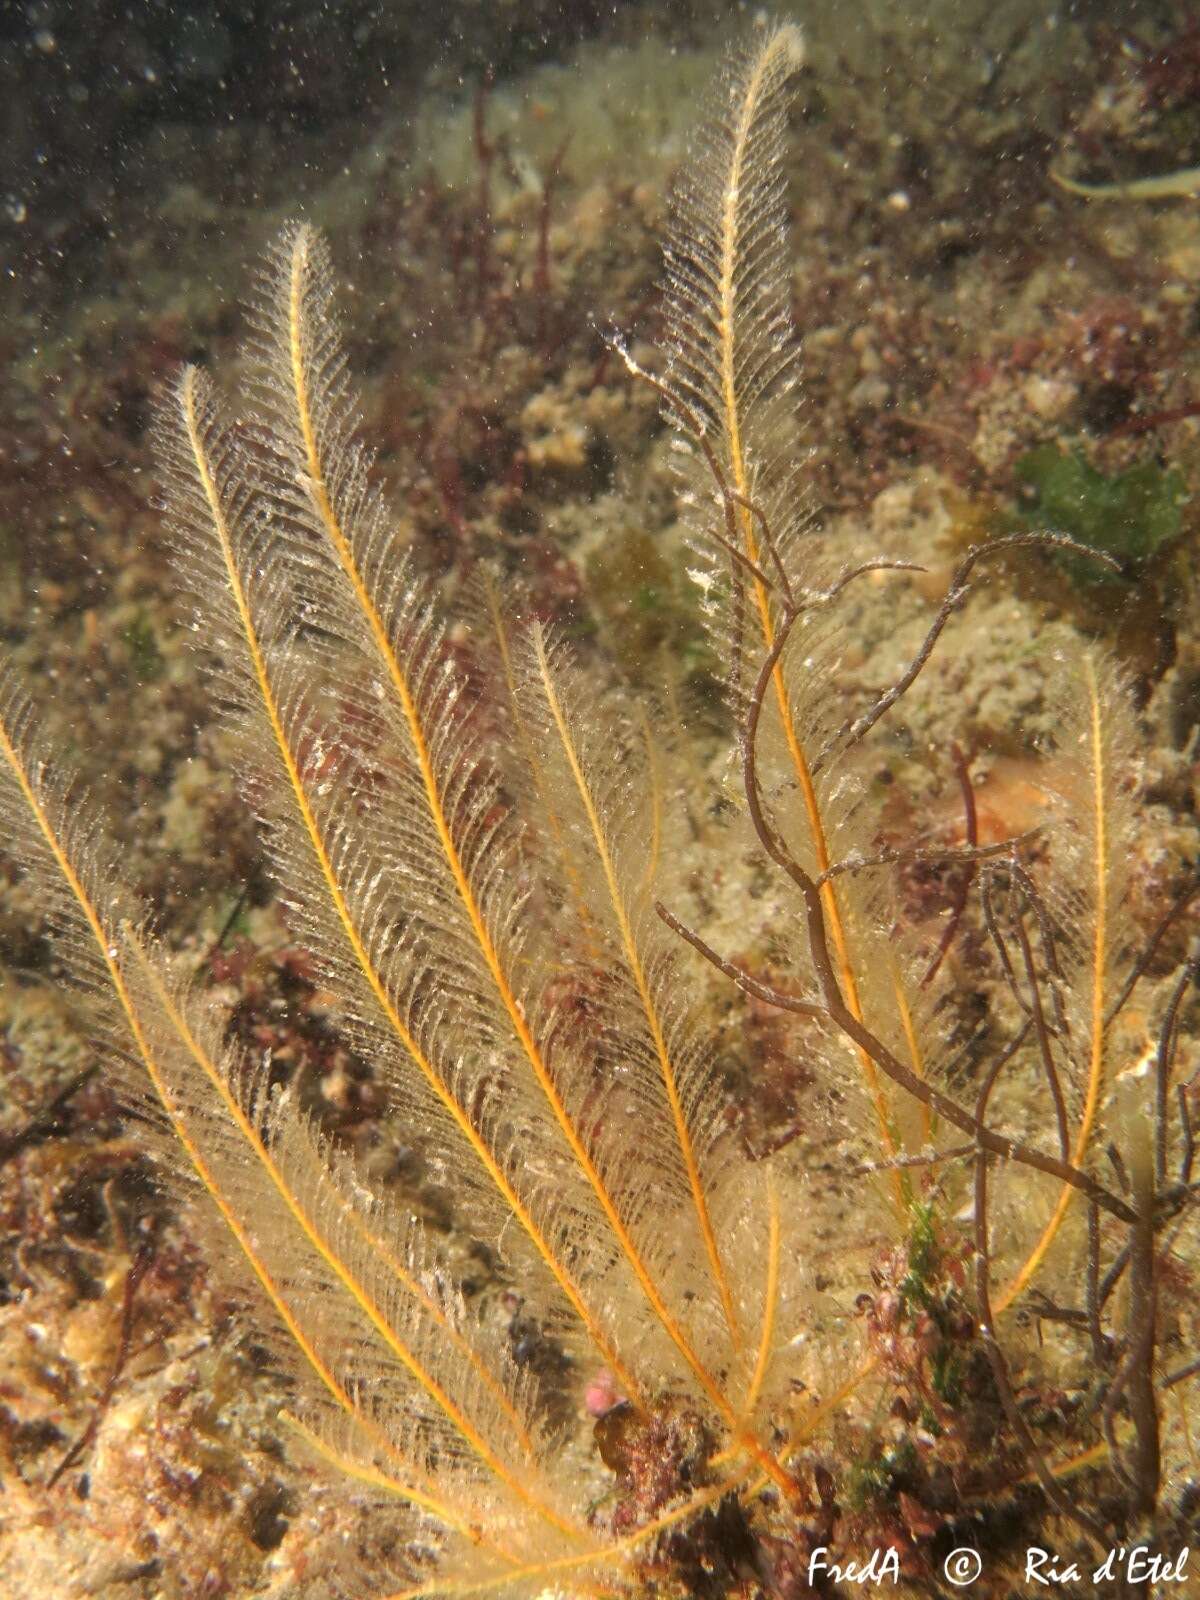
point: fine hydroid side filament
(474, 872)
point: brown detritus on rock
(656, 1457)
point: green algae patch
(145, 657)
(644, 605)
(1129, 516)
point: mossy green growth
(878, 1475)
(924, 1258)
(946, 1373)
(644, 605)
(1129, 516)
(924, 1287)
(144, 655)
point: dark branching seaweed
(461, 877)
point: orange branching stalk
(449, 869)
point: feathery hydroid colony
(460, 871)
